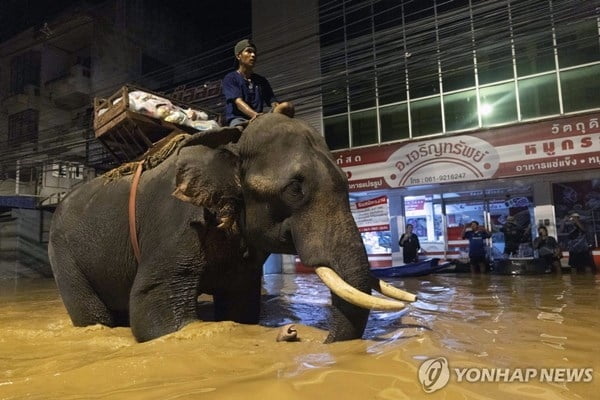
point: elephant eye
(294, 191)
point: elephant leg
(80, 299)
(159, 306)
(239, 304)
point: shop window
(336, 132)
(394, 122)
(460, 110)
(23, 127)
(492, 42)
(538, 96)
(532, 31)
(364, 127)
(577, 41)
(580, 88)
(498, 104)
(424, 214)
(426, 116)
(24, 70)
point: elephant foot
(288, 333)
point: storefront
(536, 172)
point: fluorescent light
(485, 109)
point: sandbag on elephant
(206, 219)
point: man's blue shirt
(476, 243)
(256, 92)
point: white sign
(372, 215)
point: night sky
(18, 15)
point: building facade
(50, 74)
(465, 110)
(461, 110)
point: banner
(372, 215)
(566, 144)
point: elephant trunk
(338, 254)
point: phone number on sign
(437, 178)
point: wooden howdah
(127, 134)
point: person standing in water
(410, 245)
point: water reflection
(472, 320)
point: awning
(18, 202)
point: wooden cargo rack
(127, 134)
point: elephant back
(152, 158)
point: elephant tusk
(392, 291)
(354, 296)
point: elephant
(206, 219)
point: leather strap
(132, 225)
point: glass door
(440, 219)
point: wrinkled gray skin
(278, 183)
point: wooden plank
(111, 124)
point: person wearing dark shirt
(246, 92)
(476, 236)
(513, 236)
(579, 251)
(410, 245)
(548, 249)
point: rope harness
(132, 225)
(149, 160)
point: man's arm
(579, 225)
(245, 108)
(401, 241)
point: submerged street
(474, 321)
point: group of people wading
(515, 236)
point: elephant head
(280, 188)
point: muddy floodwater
(474, 322)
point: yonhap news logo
(435, 373)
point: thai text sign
(567, 144)
(372, 215)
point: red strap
(132, 228)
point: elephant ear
(209, 177)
